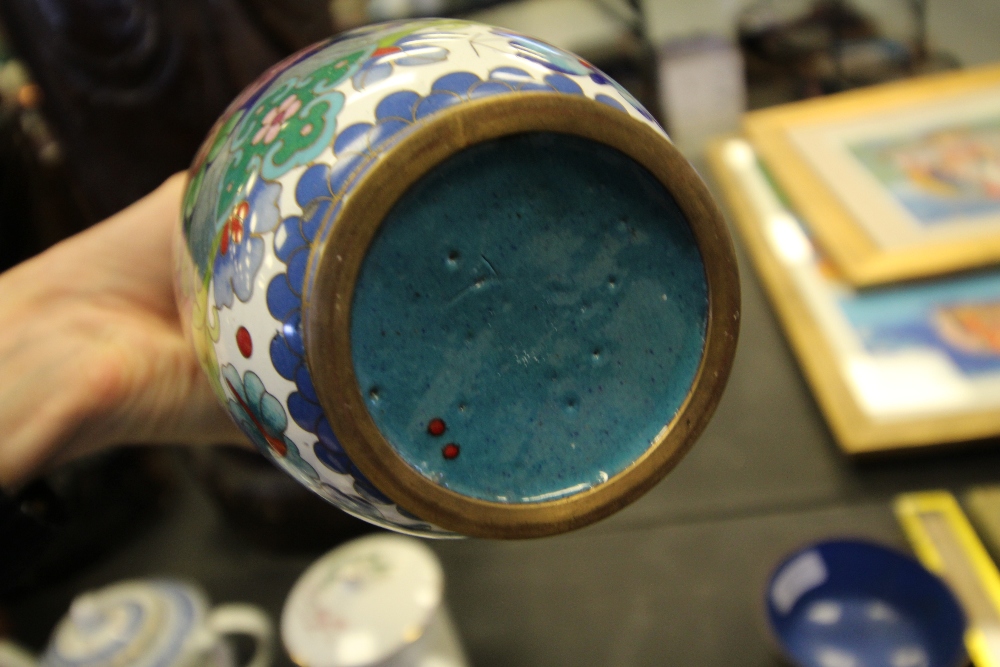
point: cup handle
(245, 619)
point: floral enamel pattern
(558, 60)
(266, 188)
(240, 244)
(407, 51)
(262, 418)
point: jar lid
(362, 603)
(129, 623)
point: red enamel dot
(450, 451)
(242, 210)
(436, 426)
(236, 230)
(385, 50)
(224, 241)
(244, 342)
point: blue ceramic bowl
(852, 603)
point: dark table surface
(675, 579)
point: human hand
(91, 349)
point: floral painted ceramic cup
(456, 280)
(375, 601)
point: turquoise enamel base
(544, 297)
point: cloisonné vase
(456, 281)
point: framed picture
(892, 367)
(897, 181)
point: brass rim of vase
(335, 263)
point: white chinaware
(456, 281)
(155, 623)
(377, 600)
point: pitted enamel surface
(529, 317)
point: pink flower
(275, 118)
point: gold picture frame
(907, 397)
(888, 178)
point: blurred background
(101, 100)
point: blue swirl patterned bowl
(455, 280)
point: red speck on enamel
(449, 451)
(436, 426)
(224, 241)
(244, 342)
(236, 230)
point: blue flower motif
(359, 506)
(408, 51)
(262, 418)
(240, 246)
(284, 301)
(357, 145)
(628, 98)
(558, 60)
(610, 101)
(544, 54)
(354, 504)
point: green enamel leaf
(273, 415)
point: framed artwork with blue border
(895, 366)
(898, 181)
